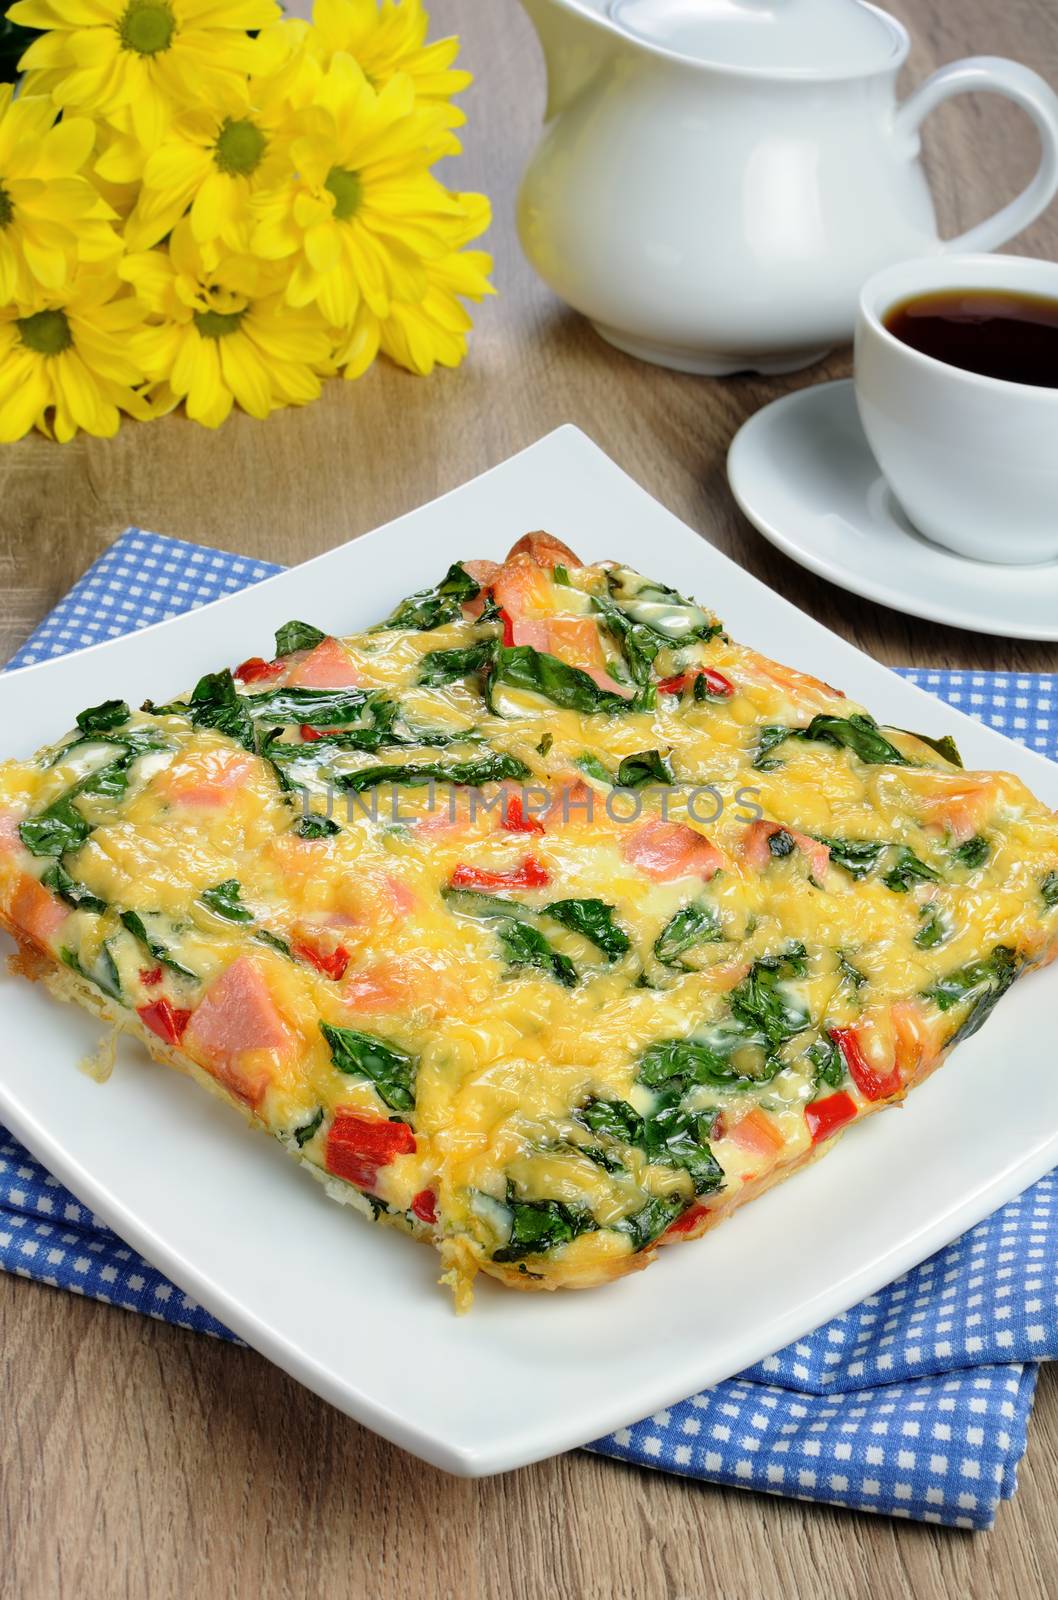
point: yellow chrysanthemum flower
(220, 332)
(386, 39)
(50, 215)
(65, 360)
(215, 158)
(432, 331)
(362, 212)
(145, 56)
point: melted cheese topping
(783, 914)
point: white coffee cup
(972, 460)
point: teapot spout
(577, 38)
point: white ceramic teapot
(718, 177)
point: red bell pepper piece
(530, 875)
(149, 976)
(824, 1117)
(332, 963)
(164, 1020)
(359, 1147)
(868, 1081)
(310, 735)
(257, 668)
(508, 627)
(515, 819)
(424, 1205)
(717, 686)
(690, 1219)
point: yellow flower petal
(230, 13)
(47, 265)
(9, 271)
(209, 400)
(323, 247)
(150, 111)
(190, 351)
(295, 385)
(92, 47)
(63, 13)
(26, 394)
(178, 164)
(245, 375)
(211, 206)
(275, 240)
(338, 296)
(156, 349)
(368, 262)
(93, 84)
(82, 398)
(358, 351)
(310, 211)
(302, 286)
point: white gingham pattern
(915, 1403)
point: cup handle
(994, 75)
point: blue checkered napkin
(142, 578)
(915, 1403)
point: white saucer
(803, 473)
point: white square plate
(354, 1312)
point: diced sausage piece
(757, 852)
(454, 812)
(233, 1026)
(577, 640)
(328, 666)
(484, 573)
(382, 987)
(757, 1134)
(800, 687)
(545, 550)
(39, 914)
(533, 631)
(960, 808)
(523, 589)
(914, 1045)
(206, 778)
(574, 802)
(600, 676)
(665, 851)
(728, 975)
(402, 899)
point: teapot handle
(994, 75)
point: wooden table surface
(139, 1460)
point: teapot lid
(824, 37)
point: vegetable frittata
(542, 920)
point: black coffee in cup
(995, 332)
